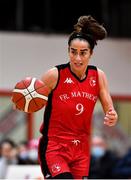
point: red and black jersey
(70, 106)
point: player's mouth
(78, 64)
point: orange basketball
(30, 95)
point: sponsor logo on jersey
(68, 81)
(76, 94)
(92, 81)
(56, 168)
(76, 141)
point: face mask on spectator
(23, 155)
(98, 152)
(32, 154)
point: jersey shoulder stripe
(62, 66)
(92, 67)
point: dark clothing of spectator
(123, 167)
(102, 167)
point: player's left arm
(111, 116)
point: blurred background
(33, 38)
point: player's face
(79, 54)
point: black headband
(87, 37)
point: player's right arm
(50, 78)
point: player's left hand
(111, 117)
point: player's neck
(80, 74)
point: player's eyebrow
(73, 49)
(80, 50)
(84, 49)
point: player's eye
(73, 52)
(83, 53)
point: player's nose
(78, 58)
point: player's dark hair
(89, 29)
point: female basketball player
(64, 148)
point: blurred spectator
(23, 153)
(33, 151)
(122, 170)
(28, 152)
(102, 159)
(8, 151)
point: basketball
(30, 95)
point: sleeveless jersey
(70, 106)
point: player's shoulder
(53, 72)
(50, 77)
(102, 77)
(100, 72)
